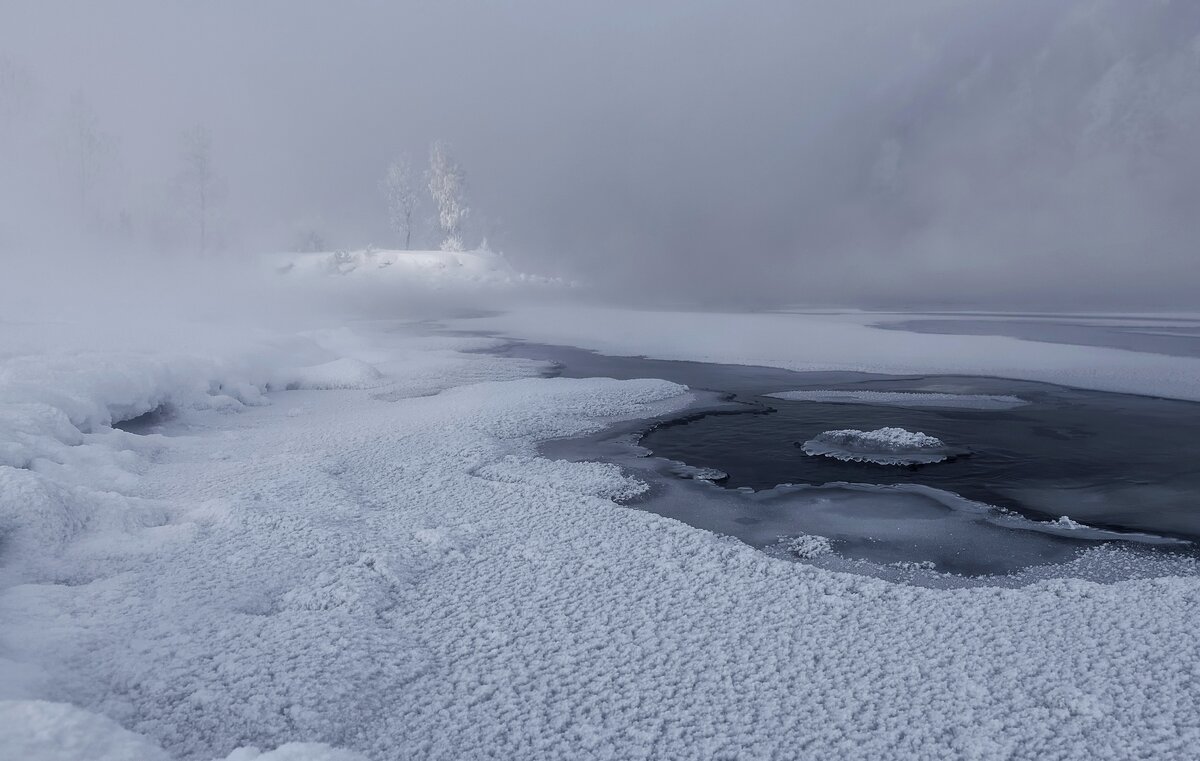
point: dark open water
(1115, 461)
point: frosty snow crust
(391, 568)
(883, 446)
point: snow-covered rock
(883, 446)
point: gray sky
(937, 152)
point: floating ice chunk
(1066, 522)
(883, 446)
(697, 473)
(904, 399)
(809, 546)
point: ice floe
(883, 446)
(695, 472)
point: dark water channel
(1125, 464)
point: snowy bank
(390, 284)
(844, 341)
(394, 570)
(401, 272)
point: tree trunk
(203, 220)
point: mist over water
(928, 153)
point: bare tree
(400, 192)
(16, 93)
(198, 180)
(448, 186)
(310, 240)
(88, 148)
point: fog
(999, 153)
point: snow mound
(904, 399)
(883, 446)
(345, 372)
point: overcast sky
(936, 152)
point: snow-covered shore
(385, 565)
(849, 341)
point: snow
(425, 269)
(380, 561)
(345, 372)
(37, 730)
(843, 341)
(883, 446)
(904, 399)
(41, 731)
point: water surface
(1114, 461)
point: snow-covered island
(883, 446)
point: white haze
(929, 152)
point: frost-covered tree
(199, 182)
(447, 186)
(399, 188)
